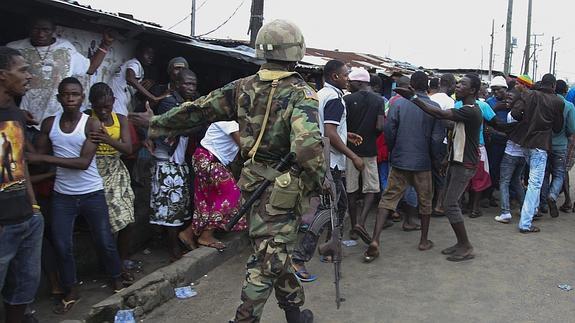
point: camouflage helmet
(280, 40)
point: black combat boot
(294, 315)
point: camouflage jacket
(292, 125)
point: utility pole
(535, 62)
(491, 50)
(551, 55)
(528, 39)
(508, 45)
(193, 19)
(256, 20)
(481, 67)
(554, 62)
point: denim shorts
(20, 251)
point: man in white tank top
(78, 188)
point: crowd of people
(413, 155)
(62, 159)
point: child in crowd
(129, 79)
(78, 188)
(113, 139)
(216, 195)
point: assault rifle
(333, 248)
(284, 164)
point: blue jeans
(537, 160)
(20, 258)
(410, 196)
(65, 209)
(556, 169)
(511, 170)
(383, 168)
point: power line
(201, 5)
(225, 22)
(179, 22)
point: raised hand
(142, 119)
(407, 93)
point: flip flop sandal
(326, 259)
(300, 276)
(216, 245)
(458, 258)
(449, 251)
(127, 278)
(475, 214)
(367, 258)
(416, 228)
(431, 245)
(64, 306)
(362, 234)
(565, 208)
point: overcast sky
(433, 34)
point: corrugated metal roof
(318, 57)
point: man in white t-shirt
(51, 60)
(128, 80)
(332, 124)
(443, 97)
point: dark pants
(65, 209)
(307, 244)
(20, 247)
(556, 170)
(495, 152)
(458, 177)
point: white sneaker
(503, 218)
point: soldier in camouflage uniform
(292, 126)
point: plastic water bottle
(124, 316)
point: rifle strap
(253, 151)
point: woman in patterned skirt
(216, 195)
(114, 140)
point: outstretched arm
(429, 109)
(218, 105)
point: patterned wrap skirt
(216, 194)
(170, 196)
(118, 190)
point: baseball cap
(177, 62)
(359, 74)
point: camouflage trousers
(269, 267)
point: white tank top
(69, 145)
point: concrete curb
(158, 287)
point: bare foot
(190, 244)
(212, 243)
(425, 245)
